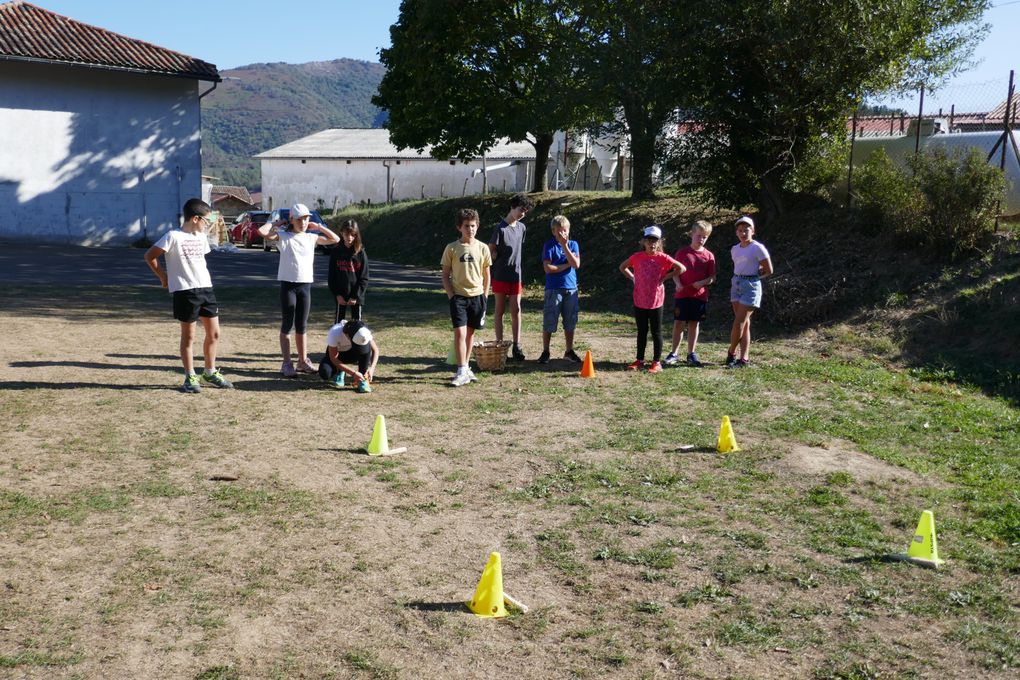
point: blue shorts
(559, 301)
(746, 290)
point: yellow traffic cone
(588, 368)
(924, 548)
(488, 599)
(380, 444)
(726, 442)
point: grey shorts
(560, 301)
(746, 290)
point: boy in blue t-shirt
(561, 258)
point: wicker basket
(491, 355)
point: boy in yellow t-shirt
(466, 263)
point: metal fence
(947, 118)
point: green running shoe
(191, 384)
(216, 378)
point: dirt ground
(244, 533)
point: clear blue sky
(231, 33)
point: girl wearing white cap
(295, 274)
(751, 263)
(647, 269)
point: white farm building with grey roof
(343, 166)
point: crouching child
(350, 344)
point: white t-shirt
(336, 337)
(297, 256)
(746, 260)
(185, 260)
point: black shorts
(467, 311)
(193, 303)
(689, 309)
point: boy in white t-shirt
(189, 282)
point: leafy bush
(823, 169)
(887, 197)
(945, 203)
(960, 194)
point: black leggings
(296, 303)
(341, 312)
(358, 354)
(646, 318)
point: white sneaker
(460, 379)
(471, 376)
(671, 359)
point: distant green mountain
(261, 106)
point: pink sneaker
(305, 366)
(287, 369)
(656, 367)
(635, 365)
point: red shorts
(507, 288)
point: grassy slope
(954, 322)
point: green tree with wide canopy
(775, 76)
(462, 74)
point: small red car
(245, 231)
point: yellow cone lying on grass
(380, 444)
(488, 599)
(727, 442)
(924, 548)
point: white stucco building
(100, 134)
(355, 165)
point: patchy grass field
(129, 549)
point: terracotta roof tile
(32, 33)
(223, 190)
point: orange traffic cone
(588, 368)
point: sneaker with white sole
(216, 379)
(287, 369)
(471, 376)
(671, 359)
(460, 379)
(363, 387)
(191, 384)
(305, 366)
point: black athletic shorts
(467, 311)
(689, 309)
(193, 303)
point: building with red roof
(100, 133)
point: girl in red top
(647, 269)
